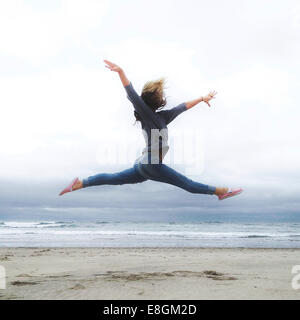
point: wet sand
(148, 273)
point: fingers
(110, 68)
(212, 94)
(108, 62)
(110, 65)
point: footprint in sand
(78, 286)
(24, 275)
(23, 283)
(4, 258)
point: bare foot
(221, 191)
(77, 186)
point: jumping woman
(149, 166)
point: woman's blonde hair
(153, 95)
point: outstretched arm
(139, 105)
(116, 68)
(171, 114)
(131, 93)
(206, 99)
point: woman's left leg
(130, 175)
(127, 176)
(163, 173)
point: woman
(154, 124)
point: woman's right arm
(206, 99)
(192, 103)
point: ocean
(139, 234)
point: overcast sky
(63, 114)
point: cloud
(64, 114)
(35, 34)
(30, 200)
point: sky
(63, 114)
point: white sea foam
(205, 234)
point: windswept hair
(153, 95)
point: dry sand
(148, 273)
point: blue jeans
(142, 172)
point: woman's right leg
(163, 173)
(127, 176)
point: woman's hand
(116, 68)
(208, 97)
(112, 66)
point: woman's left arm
(131, 93)
(113, 67)
(139, 105)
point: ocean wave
(171, 232)
(256, 236)
(40, 224)
(163, 234)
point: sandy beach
(148, 273)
